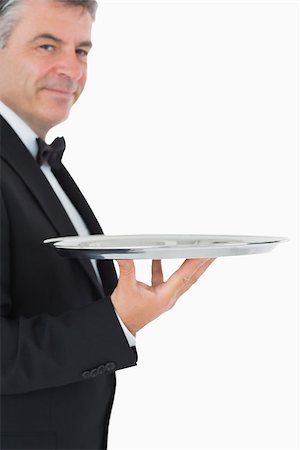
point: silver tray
(162, 246)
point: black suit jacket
(61, 342)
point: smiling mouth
(60, 92)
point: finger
(184, 274)
(157, 273)
(195, 276)
(127, 270)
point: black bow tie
(52, 153)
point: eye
(47, 47)
(81, 52)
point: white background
(189, 125)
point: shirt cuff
(130, 338)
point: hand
(138, 304)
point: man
(66, 325)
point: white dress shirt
(28, 137)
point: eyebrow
(58, 40)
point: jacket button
(101, 370)
(110, 367)
(93, 373)
(86, 374)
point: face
(44, 64)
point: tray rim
(260, 244)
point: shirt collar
(25, 133)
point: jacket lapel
(19, 158)
(105, 267)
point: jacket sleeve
(47, 351)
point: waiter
(66, 325)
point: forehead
(68, 22)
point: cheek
(13, 81)
(83, 80)
(23, 71)
(81, 85)
(27, 81)
(10, 74)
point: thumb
(127, 270)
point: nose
(70, 66)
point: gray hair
(9, 14)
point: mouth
(65, 93)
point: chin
(55, 119)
